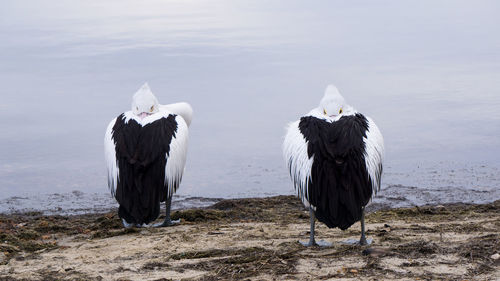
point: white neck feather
(181, 108)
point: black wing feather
(140, 153)
(339, 186)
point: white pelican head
(333, 103)
(144, 103)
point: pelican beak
(143, 115)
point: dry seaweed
(22, 235)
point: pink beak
(143, 115)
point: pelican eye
(324, 111)
(340, 111)
(152, 108)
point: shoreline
(391, 196)
(255, 239)
(77, 203)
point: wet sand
(255, 239)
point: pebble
(496, 256)
(375, 252)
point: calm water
(428, 73)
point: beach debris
(235, 255)
(376, 252)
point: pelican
(334, 155)
(145, 151)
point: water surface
(427, 72)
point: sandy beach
(255, 239)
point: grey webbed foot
(307, 244)
(363, 241)
(130, 225)
(320, 243)
(167, 223)
(323, 243)
(358, 242)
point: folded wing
(145, 160)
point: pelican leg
(362, 240)
(312, 218)
(167, 221)
(312, 241)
